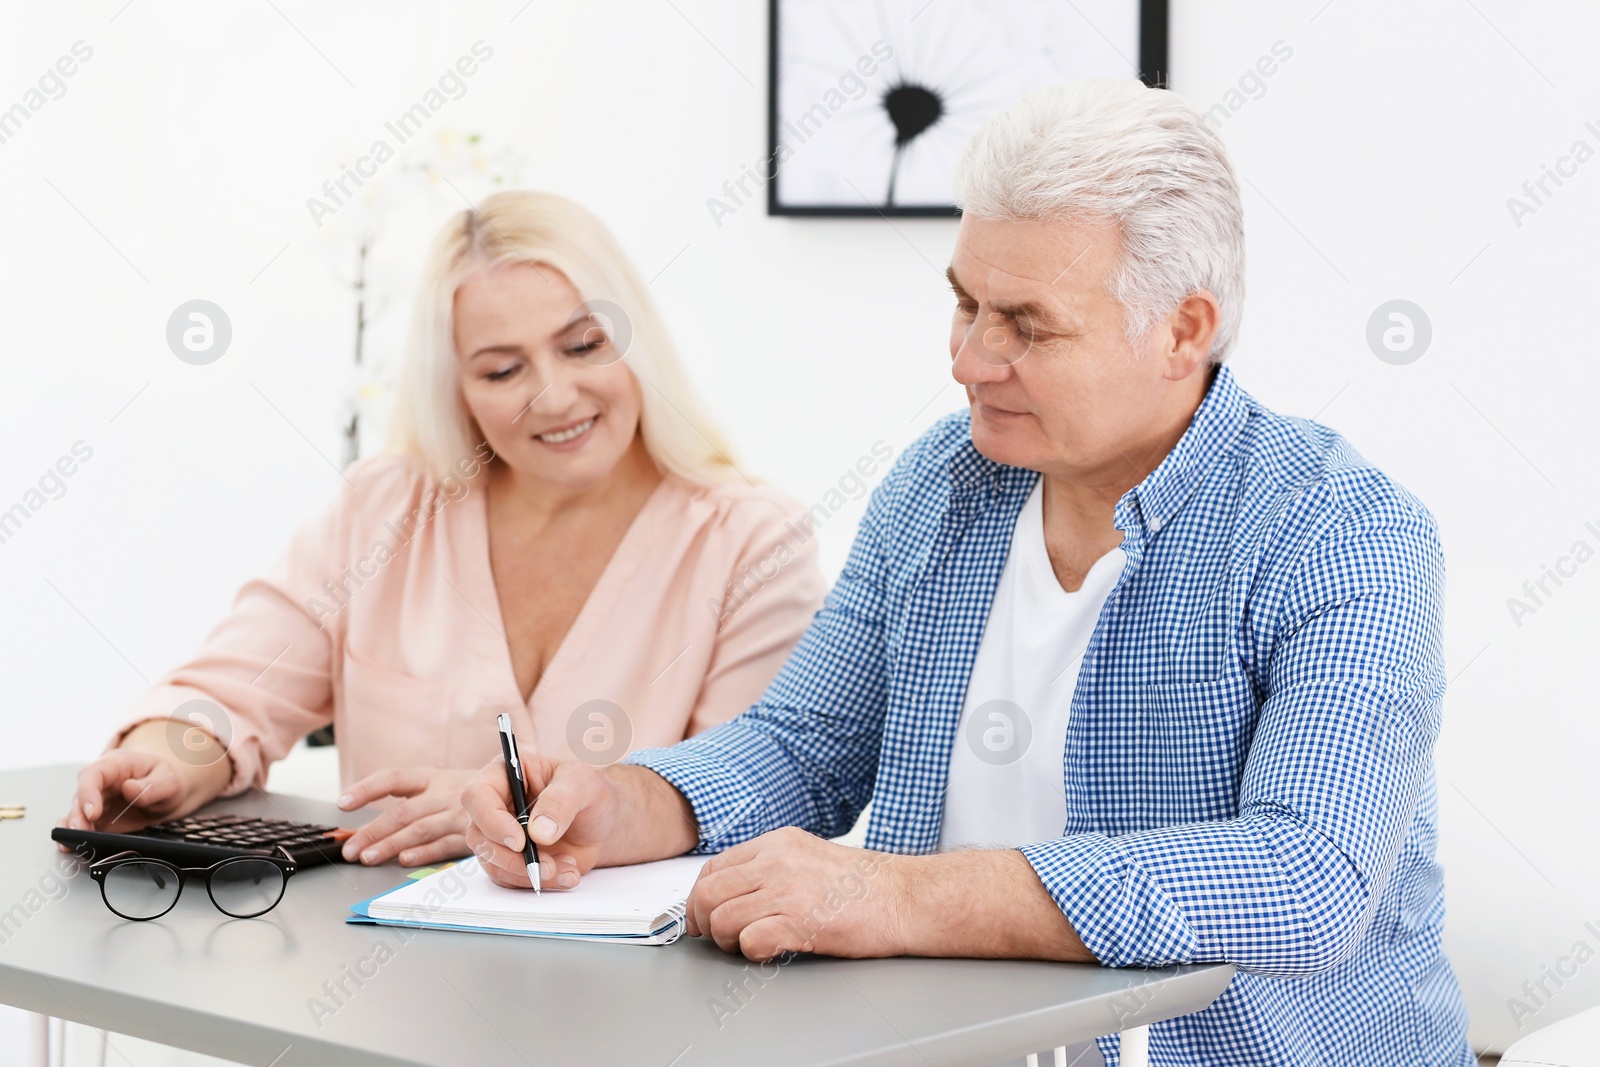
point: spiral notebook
(640, 904)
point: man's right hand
(582, 817)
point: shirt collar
(1217, 422)
(1152, 503)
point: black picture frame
(1153, 59)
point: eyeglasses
(139, 887)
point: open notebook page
(631, 900)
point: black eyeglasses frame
(99, 868)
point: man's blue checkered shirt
(1249, 758)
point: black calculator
(203, 840)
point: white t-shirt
(1005, 782)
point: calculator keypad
(243, 832)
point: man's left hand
(791, 891)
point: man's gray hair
(1121, 152)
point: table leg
(1136, 1047)
(39, 1040)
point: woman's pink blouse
(382, 618)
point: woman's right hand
(153, 775)
(126, 789)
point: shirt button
(1155, 524)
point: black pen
(519, 797)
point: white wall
(1378, 162)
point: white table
(247, 989)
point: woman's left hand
(428, 824)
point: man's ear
(1184, 338)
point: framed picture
(870, 101)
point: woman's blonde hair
(430, 419)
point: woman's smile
(573, 435)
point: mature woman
(558, 534)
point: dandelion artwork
(870, 101)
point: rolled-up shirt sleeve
(262, 679)
(1341, 750)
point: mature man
(1133, 669)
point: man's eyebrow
(950, 273)
(1031, 310)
